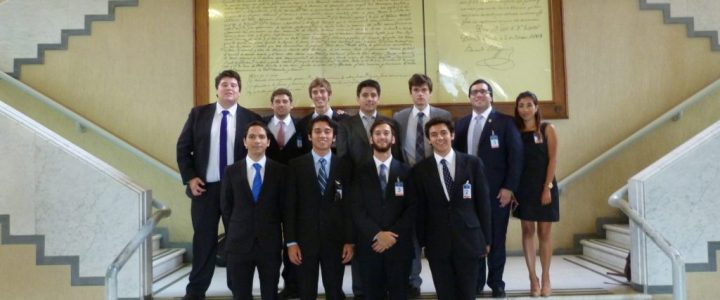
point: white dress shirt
(387, 167)
(450, 158)
(213, 170)
(251, 170)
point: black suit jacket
(353, 141)
(294, 147)
(503, 165)
(312, 219)
(302, 125)
(373, 213)
(459, 227)
(193, 146)
(250, 222)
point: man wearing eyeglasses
(494, 138)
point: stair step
(165, 261)
(618, 234)
(605, 253)
(596, 267)
(156, 242)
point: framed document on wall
(516, 45)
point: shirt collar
(485, 113)
(362, 115)
(328, 113)
(317, 157)
(386, 162)
(232, 110)
(425, 111)
(250, 162)
(276, 121)
(450, 157)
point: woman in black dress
(537, 193)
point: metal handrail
(617, 200)
(673, 114)
(85, 123)
(111, 285)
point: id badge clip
(494, 140)
(467, 190)
(399, 190)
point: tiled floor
(568, 278)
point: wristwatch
(550, 185)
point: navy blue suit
(503, 166)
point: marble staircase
(165, 261)
(702, 17)
(606, 256)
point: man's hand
(294, 254)
(384, 240)
(347, 254)
(196, 186)
(487, 251)
(505, 196)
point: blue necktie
(419, 138)
(383, 178)
(322, 176)
(447, 177)
(257, 183)
(223, 143)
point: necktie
(383, 178)
(446, 176)
(419, 138)
(322, 176)
(257, 183)
(281, 135)
(367, 122)
(223, 143)
(477, 131)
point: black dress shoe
(193, 297)
(498, 292)
(413, 292)
(288, 293)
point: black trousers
(205, 215)
(383, 276)
(329, 260)
(454, 277)
(495, 260)
(241, 269)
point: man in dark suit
(286, 141)
(494, 138)
(453, 213)
(201, 160)
(251, 201)
(318, 224)
(320, 91)
(416, 147)
(354, 135)
(384, 218)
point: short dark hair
(319, 82)
(368, 83)
(323, 118)
(228, 73)
(479, 81)
(435, 121)
(281, 91)
(379, 122)
(259, 124)
(419, 80)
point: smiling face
(320, 97)
(382, 138)
(256, 141)
(480, 97)
(228, 92)
(526, 109)
(281, 105)
(441, 138)
(322, 137)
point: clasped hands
(384, 240)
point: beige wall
(624, 68)
(22, 279)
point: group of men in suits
(331, 189)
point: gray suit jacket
(402, 118)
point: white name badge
(299, 142)
(467, 190)
(494, 141)
(399, 190)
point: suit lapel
(487, 128)
(359, 127)
(435, 178)
(246, 189)
(206, 120)
(461, 175)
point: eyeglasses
(480, 91)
